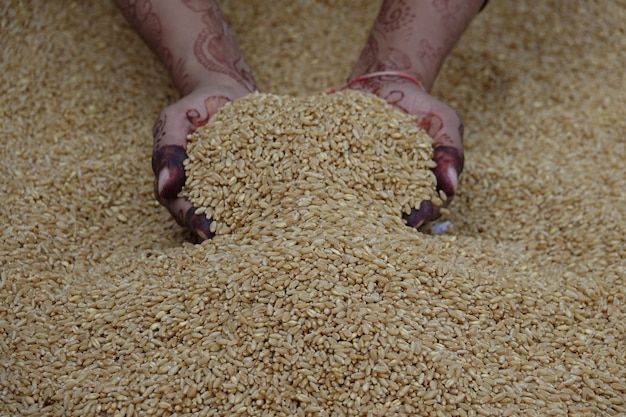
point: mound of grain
(106, 311)
(263, 154)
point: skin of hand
(170, 132)
(415, 37)
(192, 39)
(194, 42)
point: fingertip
(449, 162)
(453, 178)
(414, 219)
(162, 179)
(449, 156)
(199, 225)
(167, 164)
(418, 217)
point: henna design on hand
(378, 55)
(170, 157)
(209, 52)
(386, 48)
(199, 225)
(431, 123)
(395, 15)
(429, 52)
(182, 77)
(445, 157)
(394, 98)
(445, 154)
(141, 16)
(451, 11)
(419, 216)
(415, 36)
(197, 119)
(158, 130)
(215, 47)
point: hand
(170, 144)
(441, 122)
(415, 37)
(193, 40)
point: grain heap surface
(518, 309)
(264, 157)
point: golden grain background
(519, 309)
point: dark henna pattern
(395, 15)
(182, 77)
(445, 153)
(451, 11)
(416, 40)
(428, 52)
(431, 123)
(373, 59)
(179, 216)
(370, 53)
(394, 97)
(216, 50)
(197, 119)
(449, 156)
(140, 15)
(398, 60)
(445, 157)
(213, 48)
(418, 217)
(170, 157)
(395, 19)
(415, 37)
(199, 225)
(158, 130)
(374, 85)
(209, 54)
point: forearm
(415, 36)
(192, 39)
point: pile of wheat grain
(266, 156)
(324, 304)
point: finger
(446, 129)
(418, 217)
(450, 162)
(167, 163)
(185, 215)
(169, 171)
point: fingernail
(453, 177)
(199, 225)
(164, 175)
(415, 219)
(198, 236)
(202, 230)
(422, 215)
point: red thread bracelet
(381, 74)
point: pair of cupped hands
(195, 109)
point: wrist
(415, 37)
(420, 75)
(211, 57)
(215, 84)
(193, 41)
